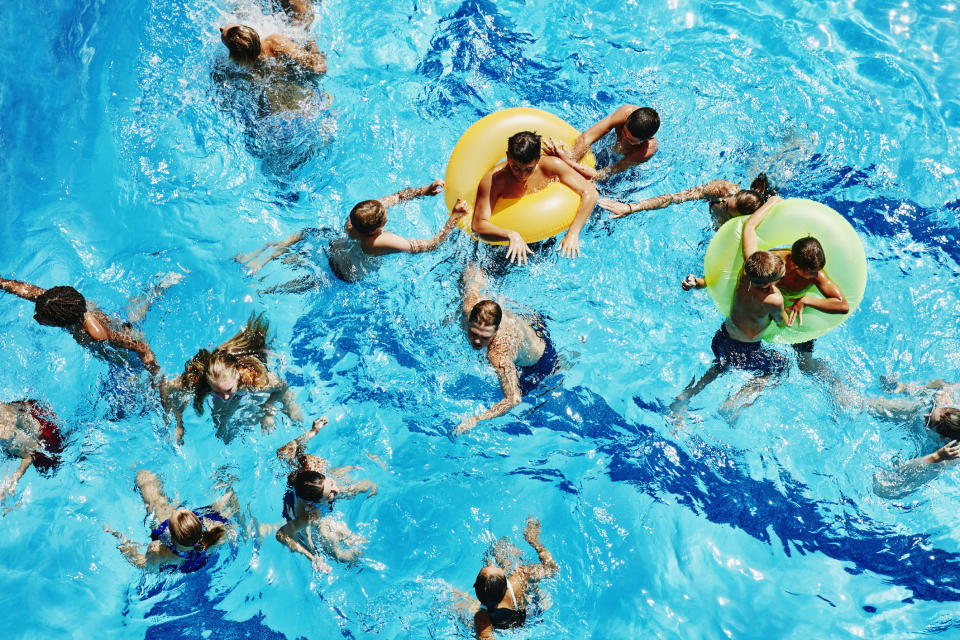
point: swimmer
(358, 251)
(300, 11)
(182, 537)
(725, 199)
(522, 356)
(64, 307)
(29, 432)
(235, 368)
(756, 302)
(311, 488)
(635, 127)
(505, 597)
(935, 403)
(246, 48)
(527, 172)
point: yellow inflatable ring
(536, 216)
(788, 221)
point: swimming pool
(125, 158)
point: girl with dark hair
(182, 537)
(29, 431)
(64, 307)
(311, 490)
(236, 367)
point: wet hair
(368, 216)
(524, 147)
(761, 184)
(309, 485)
(490, 589)
(747, 201)
(60, 307)
(643, 123)
(486, 312)
(186, 529)
(948, 425)
(243, 42)
(764, 267)
(243, 355)
(808, 254)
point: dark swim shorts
(752, 356)
(803, 347)
(532, 375)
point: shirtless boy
(635, 127)
(246, 47)
(527, 172)
(358, 251)
(935, 404)
(64, 307)
(756, 302)
(511, 344)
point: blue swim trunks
(753, 356)
(532, 375)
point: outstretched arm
(22, 289)
(472, 283)
(586, 139)
(713, 189)
(750, 242)
(510, 385)
(139, 347)
(570, 245)
(279, 248)
(410, 193)
(290, 451)
(547, 567)
(387, 243)
(130, 549)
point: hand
(319, 565)
(319, 423)
(433, 188)
(795, 311)
(150, 362)
(518, 250)
(460, 209)
(570, 245)
(617, 208)
(368, 486)
(532, 533)
(553, 147)
(466, 425)
(949, 451)
(692, 282)
(7, 489)
(267, 423)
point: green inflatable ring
(788, 221)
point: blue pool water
(127, 155)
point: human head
(368, 216)
(223, 376)
(807, 254)
(523, 147)
(243, 42)
(313, 486)
(747, 201)
(945, 421)
(185, 528)
(643, 123)
(485, 319)
(59, 307)
(764, 268)
(490, 586)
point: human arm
(410, 193)
(22, 289)
(10, 484)
(832, 302)
(352, 490)
(482, 210)
(547, 567)
(387, 243)
(483, 625)
(279, 390)
(130, 549)
(472, 283)
(750, 242)
(509, 384)
(713, 189)
(173, 401)
(586, 139)
(286, 535)
(291, 451)
(570, 244)
(139, 347)
(557, 149)
(280, 247)
(300, 10)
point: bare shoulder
(774, 300)
(620, 115)
(552, 166)
(275, 44)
